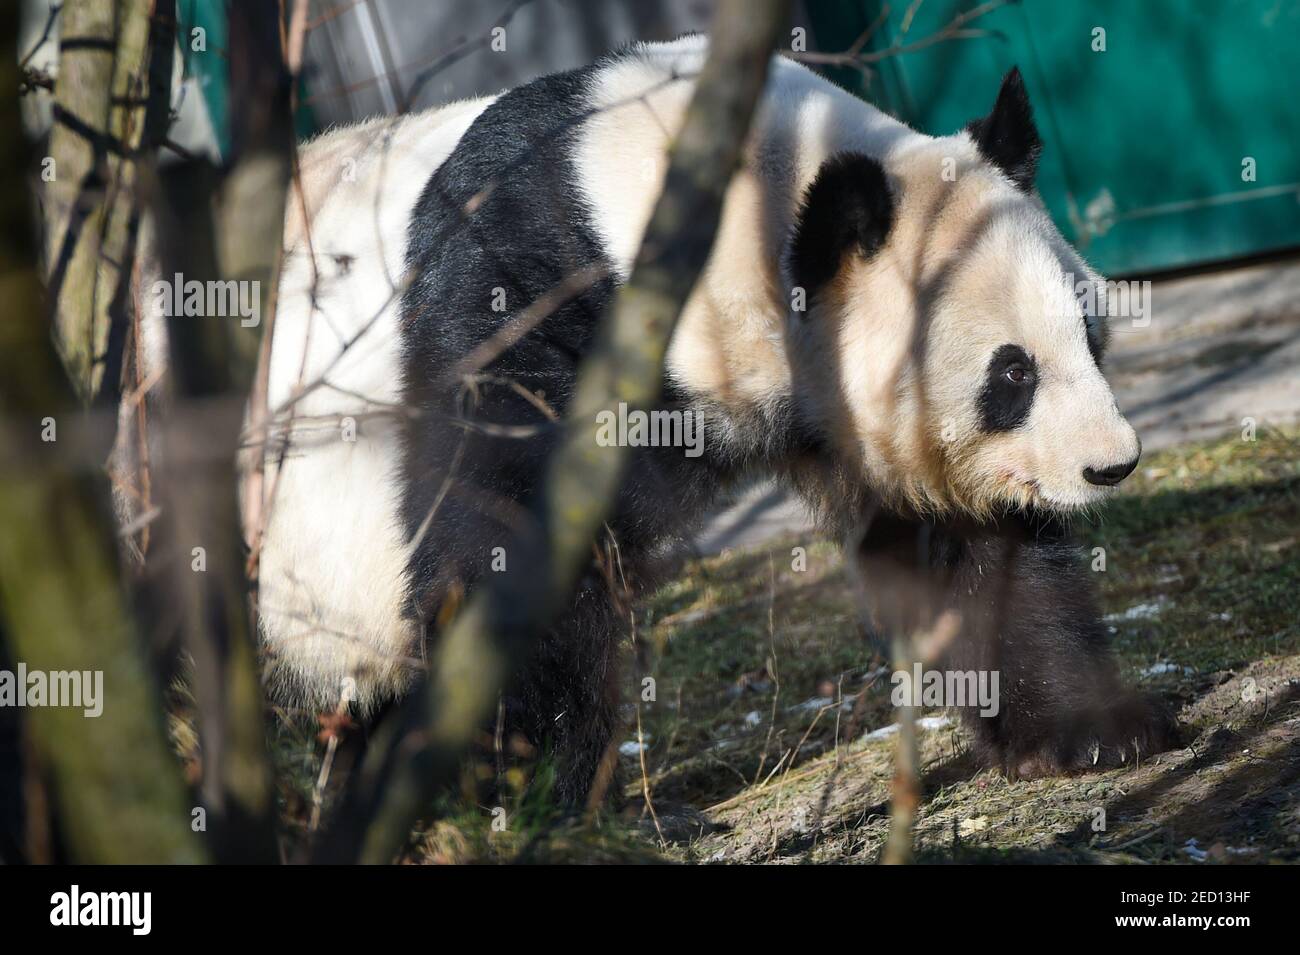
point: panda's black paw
(1129, 730)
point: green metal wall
(211, 66)
(1144, 141)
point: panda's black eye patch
(1009, 384)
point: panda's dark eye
(1010, 380)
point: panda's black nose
(1111, 475)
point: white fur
(333, 559)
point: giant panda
(887, 322)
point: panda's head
(961, 333)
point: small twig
(45, 35)
(331, 747)
(537, 311)
(777, 768)
(461, 50)
(853, 57)
(622, 595)
(1132, 842)
(839, 709)
(771, 668)
(645, 776)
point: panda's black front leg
(1029, 611)
(1027, 615)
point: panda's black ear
(847, 209)
(1007, 136)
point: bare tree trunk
(226, 229)
(90, 221)
(494, 633)
(906, 788)
(119, 791)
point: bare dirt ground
(1231, 796)
(1220, 348)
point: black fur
(848, 208)
(527, 233)
(1028, 612)
(1004, 404)
(1007, 136)
(503, 212)
(1096, 335)
(1096, 347)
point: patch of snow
(1197, 854)
(924, 723)
(631, 748)
(1157, 669)
(758, 686)
(883, 733)
(821, 702)
(753, 718)
(1146, 611)
(816, 703)
(1168, 574)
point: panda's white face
(967, 372)
(1010, 372)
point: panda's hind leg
(567, 700)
